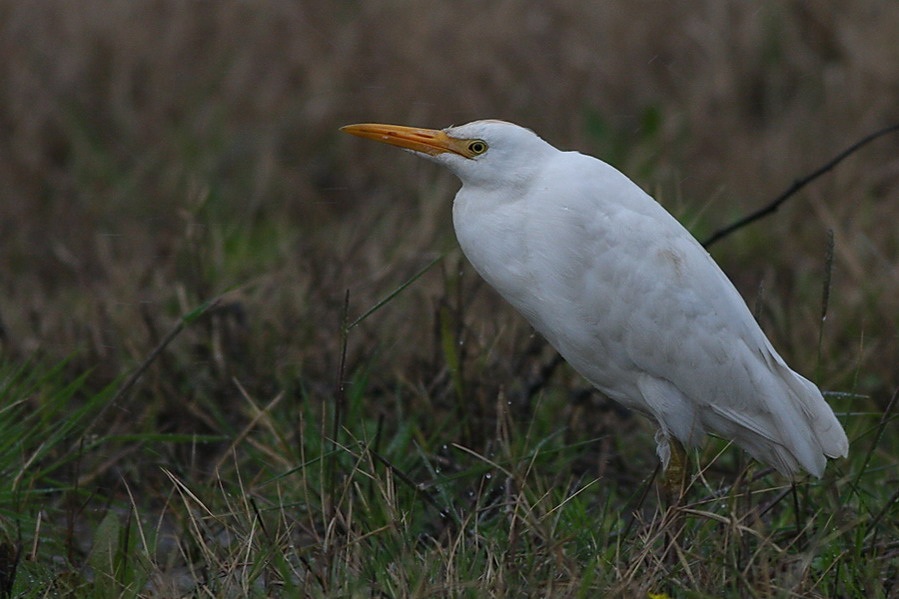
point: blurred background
(156, 154)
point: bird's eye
(477, 147)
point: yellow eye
(477, 147)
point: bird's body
(625, 294)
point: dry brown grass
(154, 155)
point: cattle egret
(624, 293)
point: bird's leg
(675, 476)
(672, 489)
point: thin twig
(885, 419)
(393, 293)
(640, 501)
(887, 506)
(444, 512)
(339, 408)
(795, 187)
(825, 298)
(135, 376)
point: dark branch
(796, 186)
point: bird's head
(483, 153)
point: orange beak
(426, 141)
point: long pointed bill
(426, 141)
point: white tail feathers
(782, 421)
(796, 429)
(827, 429)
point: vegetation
(242, 355)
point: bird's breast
(558, 263)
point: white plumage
(625, 294)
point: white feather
(628, 297)
(633, 302)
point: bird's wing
(666, 326)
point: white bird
(624, 293)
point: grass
(241, 356)
(285, 506)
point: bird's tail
(811, 430)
